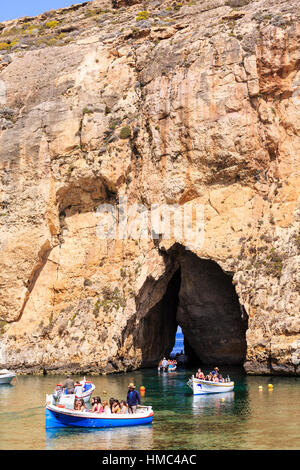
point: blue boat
(58, 416)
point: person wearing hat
(133, 398)
(215, 371)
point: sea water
(248, 418)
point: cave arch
(200, 297)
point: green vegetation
(87, 110)
(275, 263)
(52, 24)
(8, 45)
(2, 327)
(125, 132)
(177, 6)
(113, 124)
(123, 273)
(51, 42)
(297, 240)
(111, 300)
(94, 13)
(142, 15)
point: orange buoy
(142, 388)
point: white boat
(84, 391)
(201, 387)
(6, 376)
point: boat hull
(203, 387)
(56, 418)
(6, 379)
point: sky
(12, 9)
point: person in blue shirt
(133, 398)
(215, 371)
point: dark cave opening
(157, 331)
(201, 299)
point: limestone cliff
(190, 104)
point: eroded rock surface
(191, 103)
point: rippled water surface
(248, 418)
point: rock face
(192, 105)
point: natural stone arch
(201, 298)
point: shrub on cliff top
(6, 46)
(52, 24)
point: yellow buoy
(222, 399)
(260, 387)
(270, 386)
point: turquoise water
(248, 418)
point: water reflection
(139, 437)
(214, 401)
(5, 389)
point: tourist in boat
(76, 405)
(97, 407)
(209, 377)
(106, 407)
(82, 405)
(221, 379)
(200, 375)
(94, 404)
(116, 408)
(69, 385)
(215, 378)
(133, 398)
(215, 371)
(165, 364)
(124, 407)
(172, 365)
(111, 402)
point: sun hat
(131, 385)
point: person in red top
(200, 375)
(97, 406)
